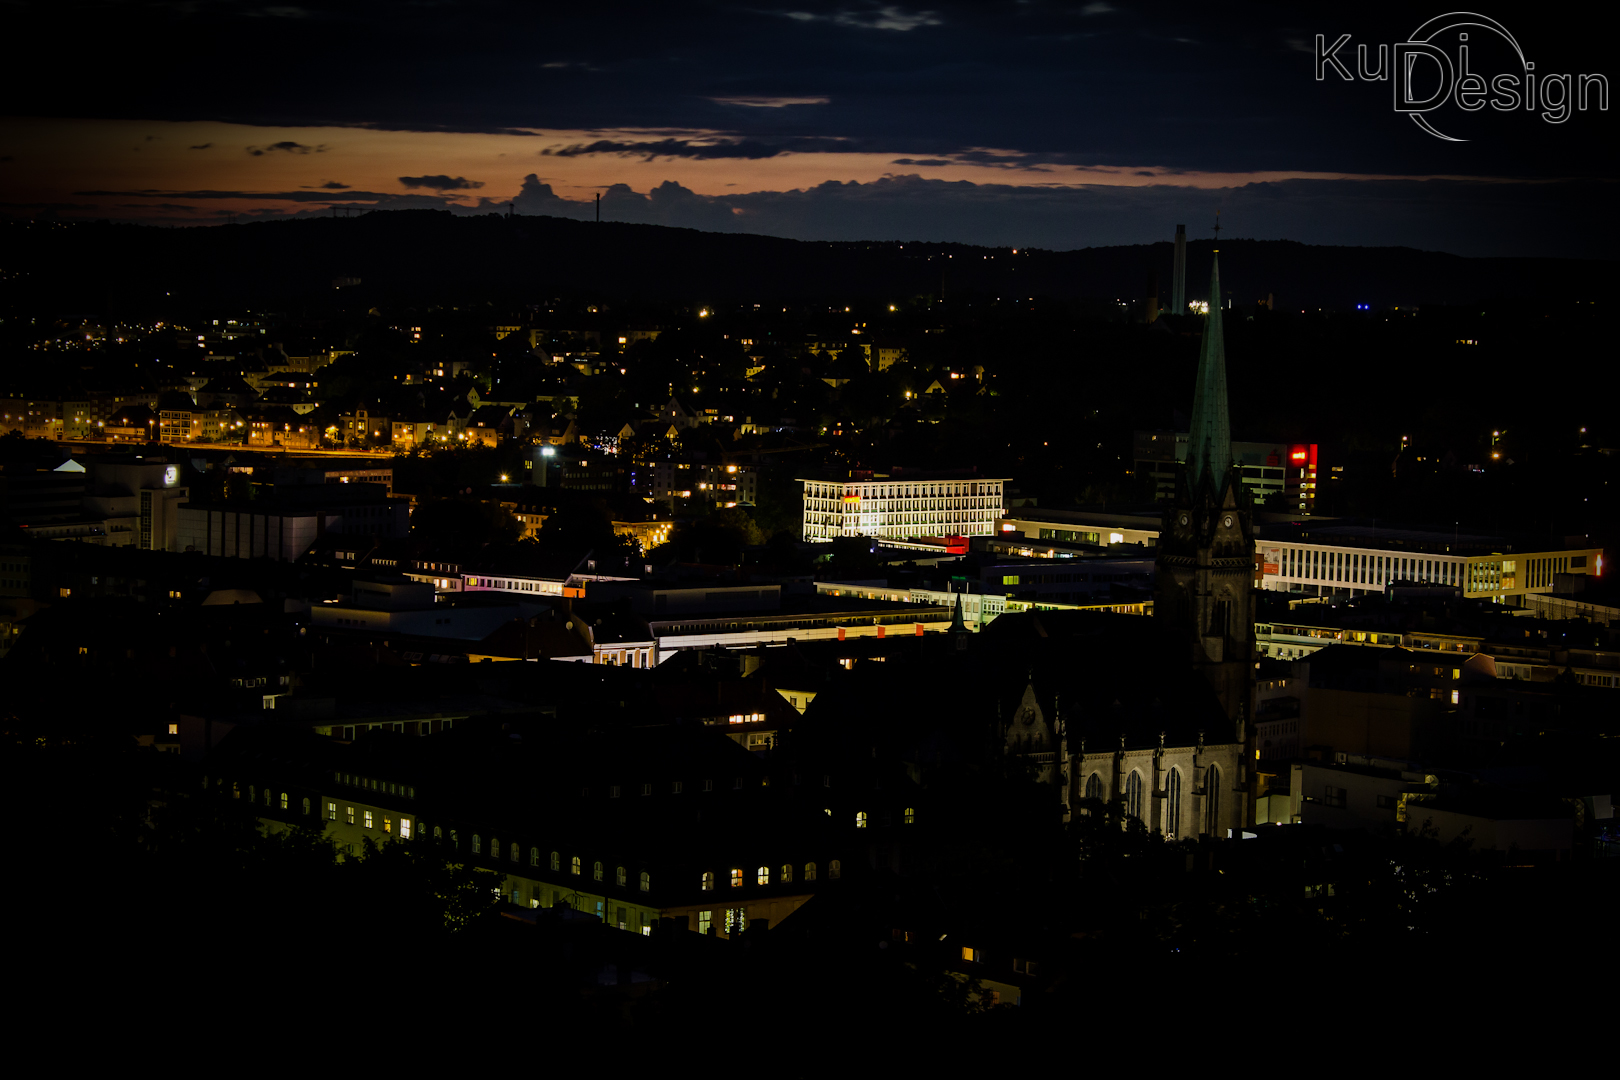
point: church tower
(1204, 595)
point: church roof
(1209, 444)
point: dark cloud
(921, 161)
(285, 146)
(536, 197)
(202, 146)
(333, 185)
(650, 150)
(887, 17)
(441, 182)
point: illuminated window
(809, 871)
(574, 866)
(972, 956)
(331, 811)
(404, 828)
(388, 824)
(284, 800)
(478, 843)
(860, 819)
(736, 879)
(705, 921)
(368, 821)
(708, 882)
(349, 810)
(911, 816)
(646, 881)
(835, 869)
(787, 873)
(174, 729)
(763, 875)
(736, 920)
(596, 870)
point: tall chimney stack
(1178, 286)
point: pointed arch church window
(1172, 813)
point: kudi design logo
(1427, 78)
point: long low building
(978, 607)
(1328, 558)
(1346, 570)
(681, 823)
(799, 618)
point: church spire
(1209, 444)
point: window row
(373, 784)
(369, 819)
(784, 875)
(553, 860)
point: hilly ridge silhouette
(432, 255)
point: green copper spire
(1209, 444)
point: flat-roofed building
(1047, 532)
(1350, 560)
(1333, 558)
(902, 507)
(980, 604)
(284, 525)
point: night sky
(1054, 125)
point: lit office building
(896, 509)
(1281, 477)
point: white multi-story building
(894, 508)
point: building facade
(899, 509)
